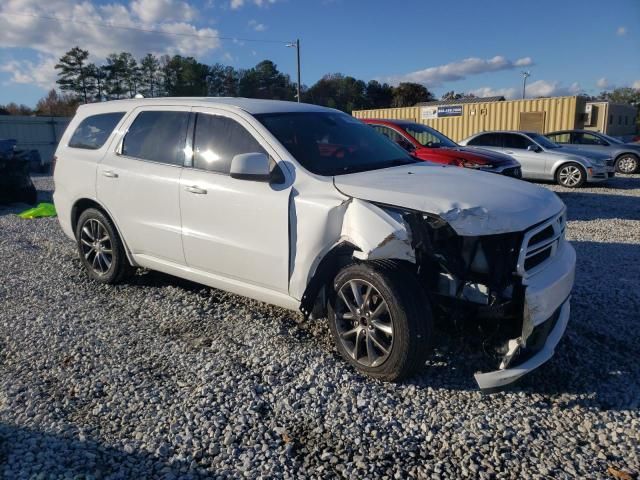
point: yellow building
(459, 119)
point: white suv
(308, 208)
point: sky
(568, 46)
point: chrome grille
(540, 244)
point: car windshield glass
(328, 143)
(543, 141)
(611, 139)
(428, 137)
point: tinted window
(218, 140)
(560, 138)
(394, 136)
(588, 139)
(516, 141)
(157, 136)
(93, 131)
(333, 143)
(487, 140)
(428, 136)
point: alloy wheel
(627, 164)
(96, 246)
(364, 323)
(570, 176)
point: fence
(34, 133)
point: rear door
(490, 141)
(235, 228)
(139, 182)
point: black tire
(571, 181)
(628, 163)
(103, 267)
(409, 315)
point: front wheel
(571, 175)
(380, 320)
(627, 164)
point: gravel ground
(162, 378)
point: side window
(394, 136)
(93, 131)
(515, 141)
(587, 139)
(486, 140)
(563, 138)
(217, 140)
(158, 136)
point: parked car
(15, 182)
(625, 155)
(541, 159)
(307, 208)
(429, 144)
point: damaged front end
(510, 289)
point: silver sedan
(626, 155)
(541, 159)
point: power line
(145, 30)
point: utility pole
(296, 45)
(525, 75)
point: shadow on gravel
(26, 453)
(594, 206)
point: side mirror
(251, 166)
(533, 148)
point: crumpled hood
(472, 202)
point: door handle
(109, 173)
(195, 189)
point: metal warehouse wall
(560, 113)
(34, 133)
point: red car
(428, 144)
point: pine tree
(73, 74)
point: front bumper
(546, 313)
(599, 174)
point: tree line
(121, 75)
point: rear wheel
(571, 175)
(100, 248)
(380, 320)
(627, 163)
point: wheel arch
(83, 204)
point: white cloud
(258, 27)
(621, 31)
(539, 88)
(51, 39)
(544, 88)
(436, 76)
(235, 4)
(602, 83)
(636, 84)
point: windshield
(428, 137)
(328, 143)
(543, 141)
(611, 139)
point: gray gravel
(162, 378)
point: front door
(238, 229)
(533, 162)
(139, 183)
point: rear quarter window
(94, 130)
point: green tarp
(42, 210)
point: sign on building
(430, 113)
(450, 111)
